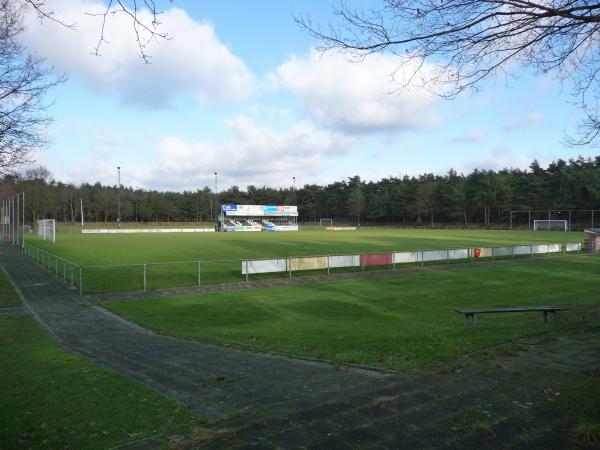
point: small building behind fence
(593, 239)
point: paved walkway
(264, 401)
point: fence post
(327, 264)
(145, 277)
(362, 262)
(448, 256)
(80, 280)
(199, 274)
(289, 261)
(64, 272)
(512, 253)
(72, 277)
(493, 259)
(422, 259)
(531, 251)
(49, 262)
(247, 275)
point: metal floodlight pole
(23, 222)
(12, 220)
(216, 199)
(119, 193)
(18, 220)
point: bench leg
(546, 319)
(465, 321)
(474, 321)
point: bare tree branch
(468, 41)
(24, 80)
(145, 29)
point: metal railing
(91, 279)
(72, 273)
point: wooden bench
(472, 313)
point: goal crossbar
(556, 224)
(47, 230)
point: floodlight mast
(294, 188)
(119, 193)
(216, 199)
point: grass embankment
(53, 398)
(8, 296)
(141, 248)
(387, 322)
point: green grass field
(52, 398)
(149, 248)
(8, 296)
(222, 253)
(387, 322)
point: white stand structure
(326, 222)
(548, 225)
(47, 230)
(236, 217)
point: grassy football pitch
(221, 253)
(395, 322)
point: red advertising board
(377, 259)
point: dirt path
(266, 401)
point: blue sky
(239, 89)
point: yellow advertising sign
(318, 262)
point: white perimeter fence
(92, 279)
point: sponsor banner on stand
(554, 248)
(232, 209)
(377, 259)
(485, 252)
(435, 255)
(502, 251)
(458, 253)
(407, 257)
(285, 228)
(264, 266)
(536, 249)
(521, 250)
(344, 261)
(147, 230)
(310, 263)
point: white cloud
(471, 136)
(533, 118)
(357, 97)
(193, 62)
(498, 159)
(253, 155)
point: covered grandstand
(236, 217)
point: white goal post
(326, 222)
(47, 230)
(547, 225)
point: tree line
(480, 198)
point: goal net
(47, 230)
(547, 225)
(326, 222)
